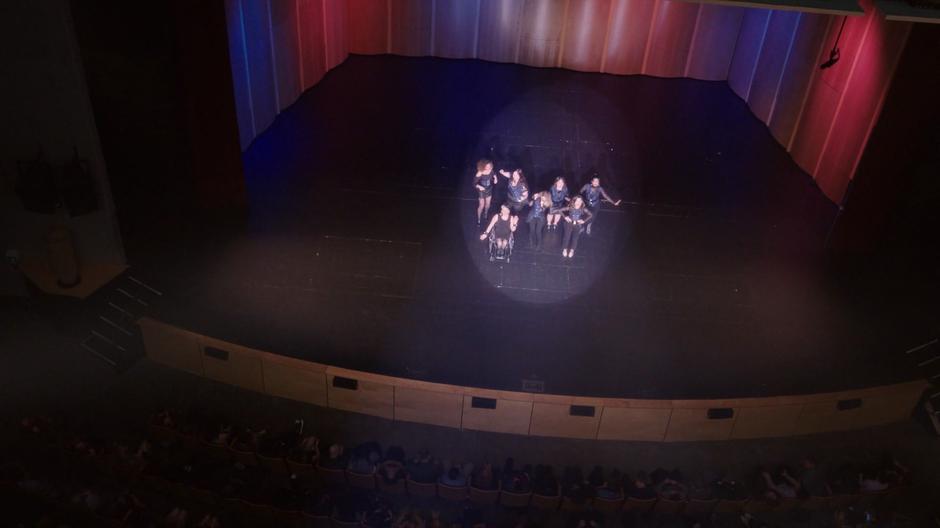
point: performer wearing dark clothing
(517, 192)
(541, 203)
(483, 182)
(593, 193)
(502, 226)
(559, 192)
(576, 215)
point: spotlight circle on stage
(570, 146)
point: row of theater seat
(406, 487)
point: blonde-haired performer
(483, 181)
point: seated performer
(501, 226)
(559, 192)
(593, 193)
(517, 192)
(576, 215)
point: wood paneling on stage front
(634, 423)
(509, 416)
(693, 424)
(373, 395)
(171, 346)
(526, 413)
(430, 407)
(555, 419)
(763, 422)
(241, 368)
(294, 379)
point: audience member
(812, 482)
(544, 481)
(335, 458)
(423, 468)
(484, 478)
(453, 477)
(641, 487)
(670, 486)
(779, 486)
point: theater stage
(361, 250)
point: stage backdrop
(769, 58)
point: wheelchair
(496, 253)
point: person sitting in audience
(395, 453)
(408, 518)
(670, 486)
(515, 480)
(209, 521)
(728, 488)
(364, 459)
(544, 481)
(575, 486)
(423, 468)
(844, 480)
(335, 458)
(176, 518)
(223, 436)
(701, 487)
(164, 418)
(895, 472)
(872, 480)
(780, 486)
(484, 478)
(307, 451)
(248, 440)
(641, 487)
(813, 480)
(282, 444)
(453, 477)
(612, 487)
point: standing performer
(576, 215)
(517, 192)
(483, 181)
(593, 193)
(502, 226)
(541, 203)
(559, 192)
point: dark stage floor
(361, 248)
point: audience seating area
(192, 470)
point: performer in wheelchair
(559, 192)
(500, 230)
(517, 192)
(576, 216)
(483, 182)
(593, 194)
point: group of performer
(547, 209)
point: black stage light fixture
(834, 53)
